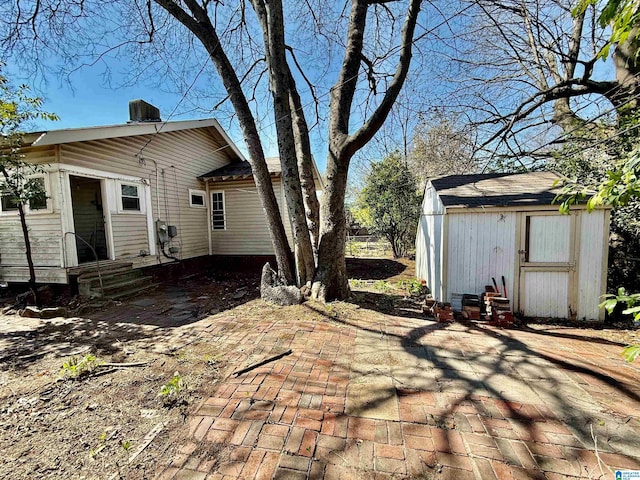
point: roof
(498, 189)
(69, 135)
(241, 170)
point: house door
(547, 266)
(88, 218)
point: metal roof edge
(69, 135)
(517, 208)
(317, 172)
(227, 139)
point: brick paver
(459, 401)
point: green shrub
(77, 367)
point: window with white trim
(196, 198)
(9, 202)
(130, 197)
(38, 204)
(218, 217)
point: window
(9, 202)
(130, 197)
(196, 198)
(218, 220)
(39, 202)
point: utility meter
(162, 231)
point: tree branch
(375, 121)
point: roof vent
(141, 111)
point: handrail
(94, 254)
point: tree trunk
(395, 242)
(565, 117)
(305, 166)
(27, 243)
(627, 66)
(331, 281)
(200, 25)
(271, 19)
(27, 247)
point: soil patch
(390, 270)
(114, 422)
(108, 423)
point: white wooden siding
(480, 246)
(43, 274)
(181, 157)
(44, 236)
(549, 238)
(429, 252)
(482, 243)
(431, 202)
(45, 233)
(169, 165)
(129, 235)
(46, 247)
(429, 242)
(424, 258)
(591, 264)
(246, 230)
(546, 294)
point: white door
(547, 266)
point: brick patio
(368, 395)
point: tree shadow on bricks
(554, 331)
(515, 394)
(556, 401)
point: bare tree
(439, 148)
(524, 66)
(375, 62)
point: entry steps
(119, 280)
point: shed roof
(497, 189)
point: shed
(475, 227)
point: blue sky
(86, 101)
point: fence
(367, 246)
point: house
(475, 227)
(146, 193)
(244, 232)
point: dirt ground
(113, 421)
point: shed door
(547, 266)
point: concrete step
(133, 292)
(109, 269)
(109, 278)
(119, 281)
(124, 285)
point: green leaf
(631, 352)
(582, 6)
(609, 305)
(635, 311)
